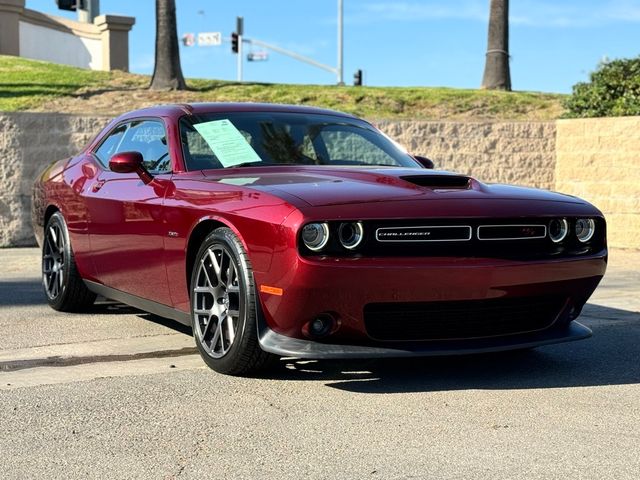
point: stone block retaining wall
(597, 159)
(28, 142)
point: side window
(149, 138)
(110, 145)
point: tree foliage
(613, 90)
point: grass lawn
(41, 86)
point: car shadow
(105, 306)
(29, 292)
(167, 322)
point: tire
(64, 288)
(224, 307)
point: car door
(126, 215)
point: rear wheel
(62, 283)
(224, 307)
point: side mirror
(424, 161)
(130, 162)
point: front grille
(511, 232)
(425, 233)
(460, 320)
(508, 238)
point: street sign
(258, 56)
(209, 39)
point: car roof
(180, 109)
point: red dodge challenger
(278, 230)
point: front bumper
(344, 286)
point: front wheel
(224, 307)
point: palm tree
(496, 70)
(167, 73)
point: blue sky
(553, 44)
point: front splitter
(285, 346)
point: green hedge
(613, 91)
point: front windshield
(238, 139)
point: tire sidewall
(246, 320)
(58, 219)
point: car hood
(324, 186)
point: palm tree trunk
(496, 70)
(167, 73)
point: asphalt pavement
(118, 393)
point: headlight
(315, 235)
(585, 228)
(558, 229)
(350, 234)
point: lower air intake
(460, 320)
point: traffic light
(357, 78)
(71, 5)
(234, 42)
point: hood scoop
(439, 181)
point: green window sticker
(226, 141)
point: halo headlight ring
(315, 236)
(558, 229)
(350, 234)
(585, 228)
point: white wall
(43, 43)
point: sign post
(89, 11)
(240, 32)
(339, 69)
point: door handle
(97, 186)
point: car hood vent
(438, 181)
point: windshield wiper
(250, 164)
(265, 164)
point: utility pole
(340, 38)
(88, 10)
(240, 33)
